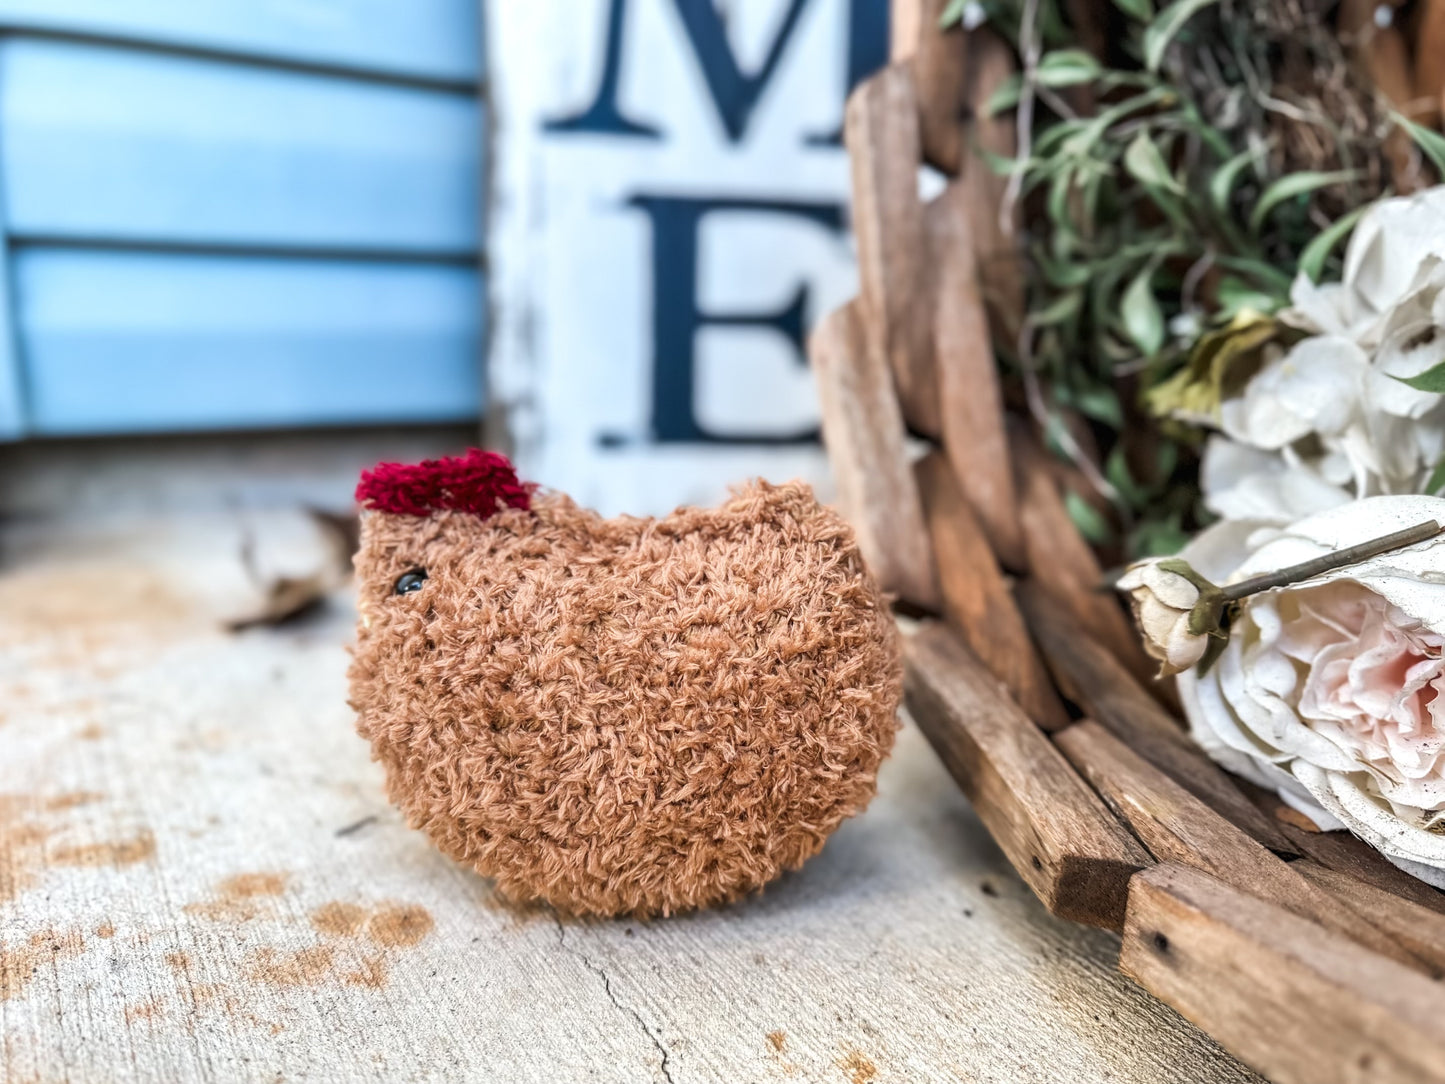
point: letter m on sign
(733, 91)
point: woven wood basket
(1306, 954)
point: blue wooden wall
(235, 214)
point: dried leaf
(1091, 524)
(1296, 184)
(1312, 259)
(1166, 27)
(1143, 319)
(1066, 68)
(1220, 364)
(1143, 160)
(1143, 10)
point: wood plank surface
(1344, 853)
(974, 432)
(204, 881)
(1419, 930)
(1177, 827)
(1300, 1004)
(1061, 561)
(1430, 60)
(1092, 678)
(880, 128)
(976, 600)
(1062, 841)
(1383, 54)
(907, 26)
(1089, 20)
(938, 58)
(990, 62)
(863, 429)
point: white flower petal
(1220, 548)
(1244, 483)
(1183, 650)
(1169, 588)
(1408, 351)
(1389, 244)
(1328, 309)
(1325, 690)
(1429, 435)
(1375, 821)
(1162, 600)
(1314, 388)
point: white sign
(669, 218)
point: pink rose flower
(1332, 691)
(1373, 676)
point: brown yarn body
(626, 716)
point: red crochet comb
(478, 482)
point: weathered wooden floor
(201, 880)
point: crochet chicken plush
(618, 716)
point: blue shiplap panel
(430, 39)
(12, 402)
(101, 143)
(14, 419)
(118, 342)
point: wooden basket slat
(1313, 998)
(1176, 826)
(1091, 678)
(880, 127)
(1090, 20)
(863, 429)
(1298, 1003)
(977, 601)
(1384, 55)
(937, 59)
(1345, 853)
(988, 64)
(1419, 930)
(1061, 562)
(975, 437)
(1055, 831)
(1430, 60)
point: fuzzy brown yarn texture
(626, 716)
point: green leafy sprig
(1164, 199)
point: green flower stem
(1328, 562)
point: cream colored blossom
(1163, 600)
(1330, 690)
(1387, 250)
(1331, 413)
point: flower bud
(1164, 597)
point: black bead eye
(411, 581)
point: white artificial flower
(1163, 600)
(1245, 483)
(1332, 411)
(1386, 250)
(1332, 691)
(1315, 388)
